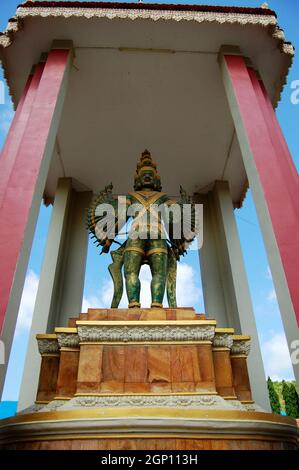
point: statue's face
(147, 179)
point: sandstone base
(163, 379)
(148, 429)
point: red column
(276, 132)
(16, 131)
(282, 153)
(273, 170)
(23, 176)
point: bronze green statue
(158, 235)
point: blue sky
(96, 292)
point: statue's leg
(171, 280)
(133, 257)
(157, 256)
(115, 269)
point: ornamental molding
(145, 333)
(68, 340)
(288, 48)
(237, 405)
(223, 340)
(267, 21)
(145, 401)
(16, 23)
(32, 409)
(155, 15)
(5, 40)
(48, 346)
(240, 347)
(279, 34)
(253, 407)
(53, 405)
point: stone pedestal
(69, 359)
(222, 343)
(145, 379)
(239, 353)
(50, 358)
(146, 352)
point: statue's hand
(185, 199)
(106, 246)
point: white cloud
(276, 358)
(27, 303)
(2, 92)
(6, 116)
(188, 291)
(271, 297)
(102, 299)
(269, 274)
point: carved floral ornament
(191, 401)
(223, 340)
(52, 406)
(241, 347)
(48, 346)
(67, 340)
(145, 333)
(154, 15)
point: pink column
(276, 131)
(37, 140)
(282, 153)
(16, 131)
(273, 168)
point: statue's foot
(134, 304)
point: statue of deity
(159, 234)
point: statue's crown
(145, 162)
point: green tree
(273, 396)
(291, 399)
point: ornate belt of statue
(161, 229)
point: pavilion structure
(93, 84)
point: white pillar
(258, 192)
(61, 283)
(213, 289)
(72, 275)
(227, 280)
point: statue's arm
(102, 223)
(181, 223)
(119, 222)
(122, 219)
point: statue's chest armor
(147, 218)
(147, 198)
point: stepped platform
(145, 379)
